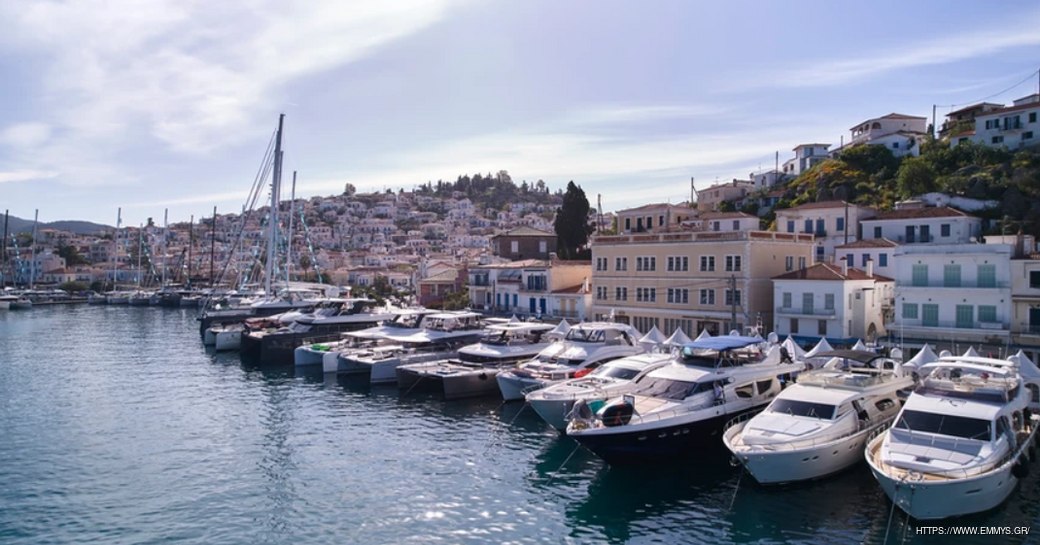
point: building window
(1032, 117)
(707, 263)
(895, 145)
(944, 230)
(646, 263)
(621, 263)
(919, 276)
(601, 263)
(1028, 135)
(965, 316)
(801, 263)
(988, 313)
(678, 296)
(930, 315)
(628, 224)
(790, 226)
(789, 263)
(601, 293)
(877, 232)
(839, 224)
(660, 221)
(732, 297)
(786, 299)
(807, 303)
(732, 263)
(951, 276)
(821, 328)
(716, 226)
(794, 325)
(707, 297)
(1034, 279)
(621, 294)
(652, 293)
(987, 277)
(514, 246)
(828, 301)
(808, 226)
(678, 263)
(543, 246)
(909, 311)
(736, 225)
(865, 258)
(997, 140)
(882, 260)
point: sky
(160, 104)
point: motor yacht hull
(926, 498)
(343, 364)
(554, 411)
(515, 388)
(384, 371)
(454, 385)
(307, 355)
(227, 339)
(21, 304)
(669, 442)
(781, 463)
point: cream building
(693, 280)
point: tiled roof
(915, 213)
(1028, 106)
(444, 276)
(828, 271)
(870, 243)
(526, 231)
(821, 204)
(577, 289)
(725, 215)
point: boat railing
(842, 379)
(672, 412)
(872, 430)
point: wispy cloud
(955, 46)
(25, 175)
(195, 77)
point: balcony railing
(802, 311)
(961, 285)
(915, 239)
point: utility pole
(599, 212)
(212, 247)
(933, 121)
(733, 301)
(191, 242)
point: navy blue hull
(667, 443)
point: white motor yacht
(472, 372)
(609, 380)
(684, 405)
(441, 336)
(821, 425)
(405, 321)
(585, 347)
(959, 445)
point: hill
(19, 225)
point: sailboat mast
(140, 250)
(276, 180)
(288, 250)
(3, 252)
(212, 247)
(166, 225)
(115, 245)
(191, 242)
(32, 251)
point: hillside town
(933, 268)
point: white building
(1014, 127)
(835, 301)
(958, 293)
(832, 222)
(899, 133)
(910, 223)
(806, 156)
(879, 251)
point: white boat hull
(385, 371)
(776, 464)
(209, 338)
(553, 411)
(305, 356)
(927, 499)
(228, 340)
(514, 388)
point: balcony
(962, 285)
(915, 239)
(802, 311)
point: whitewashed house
(805, 157)
(834, 301)
(833, 223)
(1014, 127)
(899, 133)
(912, 223)
(879, 251)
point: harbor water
(118, 427)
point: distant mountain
(19, 225)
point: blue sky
(169, 104)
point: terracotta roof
(829, 271)
(926, 212)
(1028, 106)
(443, 276)
(519, 264)
(653, 205)
(821, 204)
(725, 215)
(870, 243)
(814, 145)
(973, 107)
(577, 289)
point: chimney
(844, 266)
(870, 267)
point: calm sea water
(118, 427)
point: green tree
(456, 300)
(71, 255)
(915, 177)
(572, 222)
(73, 287)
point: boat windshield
(495, 337)
(612, 371)
(582, 335)
(699, 358)
(944, 424)
(809, 409)
(677, 390)
(410, 321)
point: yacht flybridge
(820, 425)
(960, 443)
(585, 347)
(684, 404)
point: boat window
(763, 386)
(809, 409)
(613, 371)
(745, 391)
(583, 335)
(884, 404)
(1034, 392)
(698, 358)
(943, 424)
(677, 390)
